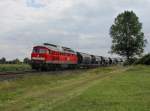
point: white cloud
(80, 24)
(16, 13)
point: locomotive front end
(39, 56)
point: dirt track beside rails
(19, 74)
(13, 75)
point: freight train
(52, 57)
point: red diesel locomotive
(49, 56)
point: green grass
(14, 67)
(102, 89)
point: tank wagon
(50, 57)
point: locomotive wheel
(72, 66)
(44, 67)
(35, 67)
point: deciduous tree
(127, 36)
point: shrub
(130, 61)
(144, 60)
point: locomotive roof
(59, 48)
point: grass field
(102, 89)
(14, 67)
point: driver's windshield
(39, 50)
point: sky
(82, 25)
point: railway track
(18, 74)
(14, 74)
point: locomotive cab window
(42, 51)
(35, 50)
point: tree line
(15, 61)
